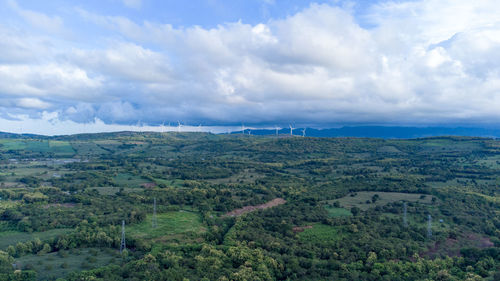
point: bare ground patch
(301, 228)
(238, 212)
(65, 205)
(451, 247)
(149, 185)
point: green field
(59, 264)
(170, 225)
(57, 147)
(197, 178)
(247, 176)
(87, 148)
(360, 198)
(174, 183)
(13, 237)
(320, 234)
(112, 190)
(124, 179)
(337, 212)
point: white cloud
(48, 80)
(39, 20)
(32, 103)
(50, 123)
(136, 4)
(419, 62)
(126, 60)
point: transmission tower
(122, 244)
(405, 219)
(155, 220)
(429, 226)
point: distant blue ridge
(384, 132)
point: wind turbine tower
(291, 129)
(138, 125)
(155, 220)
(429, 226)
(243, 129)
(122, 243)
(179, 125)
(277, 130)
(304, 132)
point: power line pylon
(122, 243)
(405, 219)
(429, 226)
(155, 220)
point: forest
(200, 206)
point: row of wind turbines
(243, 129)
(163, 127)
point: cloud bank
(420, 62)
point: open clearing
(57, 147)
(337, 212)
(247, 176)
(112, 190)
(359, 199)
(13, 237)
(320, 234)
(169, 224)
(451, 247)
(59, 264)
(123, 179)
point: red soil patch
(238, 212)
(451, 247)
(301, 228)
(66, 205)
(148, 185)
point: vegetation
(62, 201)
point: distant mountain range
(384, 132)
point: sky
(104, 65)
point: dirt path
(301, 228)
(451, 247)
(238, 212)
(66, 205)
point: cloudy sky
(65, 65)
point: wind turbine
(304, 132)
(179, 125)
(242, 128)
(139, 125)
(277, 130)
(291, 129)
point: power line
(122, 244)
(155, 220)
(429, 226)
(405, 219)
